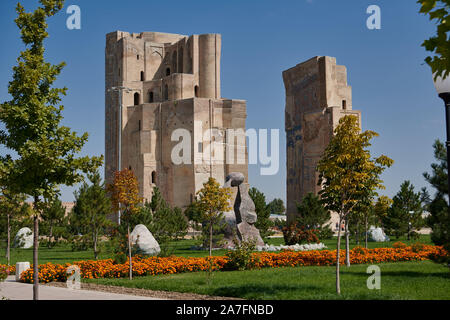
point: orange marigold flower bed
(144, 266)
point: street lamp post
(119, 128)
(443, 89)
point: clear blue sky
(391, 84)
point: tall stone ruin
(317, 96)
(175, 84)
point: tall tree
(347, 172)
(405, 214)
(439, 44)
(212, 202)
(438, 176)
(263, 223)
(276, 206)
(439, 219)
(90, 213)
(125, 197)
(45, 150)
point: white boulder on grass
(377, 235)
(24, 238)
(143, 239)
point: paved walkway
(13, 290)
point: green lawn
(63, 253)
(402, 280)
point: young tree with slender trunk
(125, 197)
(347, 171)
(45, 151)
(212, 201)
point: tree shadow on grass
(257, 291)
(409, 274)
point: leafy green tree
(405, 214)
(45, 152)
(89, 216)
(263, 222)
(439, 12)
(311, 213)
(381, 209)
(347, 173)
(54, 222)
(212, 201)
(276, 206)
(197, 221)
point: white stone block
(21, 267)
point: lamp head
(442, 85)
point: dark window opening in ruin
(137, 57)
(200, 147)
(174, 61)
(139, 125)
(344, 104)
(142, 76)
(119, 71)
(136, 99)
(180, 60)
(153, 176)
(150, 96)
(196, 91)
(168, 72)
(166, 92)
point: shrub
(241, 257)
(359, 250)
(325, 233)
(417, 247)
(399, 245)
(293, 234)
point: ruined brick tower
(173, 82)
(317, 96)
